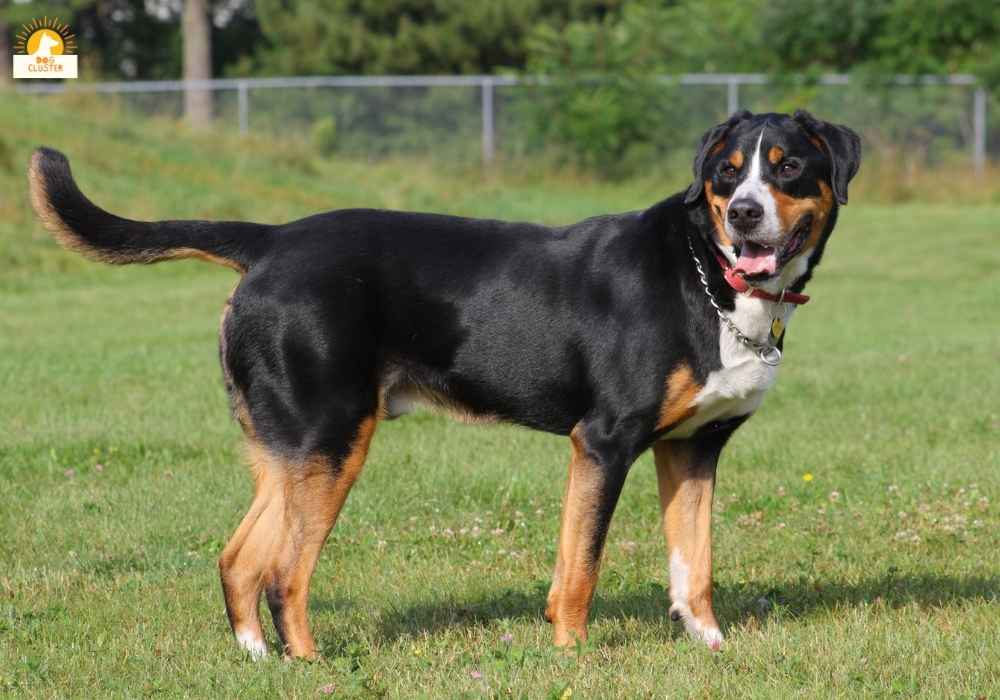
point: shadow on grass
(734, 604)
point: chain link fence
(926, 119)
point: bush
(324, 136)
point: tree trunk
(197, 35)
(6, 70)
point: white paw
(709, 634)
(254, 645)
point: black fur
(843, 147)
(115, 240)
(710, 140)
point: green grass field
(857, 516)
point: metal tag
(770, 355)
(777, 328)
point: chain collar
(768, 353)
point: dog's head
(770, 183)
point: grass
(122, 475)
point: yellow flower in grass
(807, 477)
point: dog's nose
(744, 214)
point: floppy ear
(842, 145)
(709, 141)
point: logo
(45, 49)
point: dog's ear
(841, 144)
(710, 140)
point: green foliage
(820, 35)
(962, 37)
(601, 99)
(605, 112)
(605, 106)
(324, 135)
(295, 37)
(884, 36)
(307, 37)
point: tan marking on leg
(580, 568)
(680, 391)
(686, 507)
(277, 544)
(315, 492)
(775, 154)
(736, 159)
(552, 600)
(244, 560)
(717, 210)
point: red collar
(740, 285)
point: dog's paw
(708, 633)
(254, 645)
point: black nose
(744, 214)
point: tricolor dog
(658, 329)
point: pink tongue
(755, 259)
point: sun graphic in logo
(45, 37)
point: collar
(741, 286)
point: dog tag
(777, 328)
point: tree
(197, 36)
(318, 37)
(884, 36)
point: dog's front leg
(685, 471)
(596, 475)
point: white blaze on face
(755, 189)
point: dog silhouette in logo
(45, 45)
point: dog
(45, 45)
(658, 329)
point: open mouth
(759, 262)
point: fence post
(243, 106)
(489, 150)
(979, 130)
(733, 94)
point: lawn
(857, 518)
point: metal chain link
(768, 354)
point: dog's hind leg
(242, 565)
(276, 547)
(314, 494)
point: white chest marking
(738, 387)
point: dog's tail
(80, 225)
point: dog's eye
(790, 168)
(728, 170)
